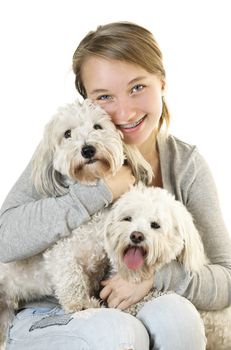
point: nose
(136, 237)
(123, 111)
(88, 151)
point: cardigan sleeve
(29, 224)
(193, 184)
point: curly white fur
(148, 222)
(75, 130)
(157, 229)
(82, 144)
(166, 232)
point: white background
(38, 39)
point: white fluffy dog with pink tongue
(142, 231)
(147, 229)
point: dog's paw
(80, 305)
(93, 303)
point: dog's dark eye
(97, 126)
(155, 225)
(67, 134)
(127, 218)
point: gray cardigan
(30, 224)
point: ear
(46, 179)
(141, 169)
(192, 256)
(163, 85)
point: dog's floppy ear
(46, 179)
(141, 169)
(192, 257)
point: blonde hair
(123, 41)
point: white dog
(146, 229)
(80, 144)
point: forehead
(100, 73)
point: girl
(119, 66)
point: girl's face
(128, 93)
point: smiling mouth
(132, 125)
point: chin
(139, 140)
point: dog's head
(80, 143)
(146, 229)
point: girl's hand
(121, 294)
(121, 182)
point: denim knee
(173, 323)
(98, 329)
(115, 330)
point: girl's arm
(29, 223)
(210, 288)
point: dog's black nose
(136, 237)
(88, 151)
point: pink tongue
(134, 258)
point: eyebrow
(131, 82)
(135, 80)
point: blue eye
(137, 87)
(104, 97)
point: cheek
(155, 115)
(154, 103)
(109, 108)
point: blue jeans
(169, 322)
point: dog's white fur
(58, 161)
(82, 144)
(144, 217)
(164, 231)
